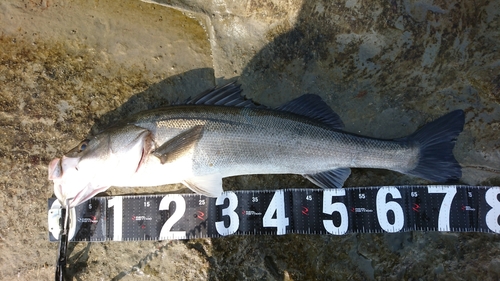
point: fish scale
(237, 137)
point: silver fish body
(219, 135)
(240, 141)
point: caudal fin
(436, 140)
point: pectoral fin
(210, 185)
(179, 145)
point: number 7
(444, 210)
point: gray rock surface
(386, 67)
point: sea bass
(220, 134)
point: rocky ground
(386, 67)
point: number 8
(491, 197)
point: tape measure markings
(277, 212)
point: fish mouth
(85, 194)
(68, 186)
(58, 166)
(55, 169)
(70, 200)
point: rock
(386, 67)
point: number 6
(383, 207)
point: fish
(220, 134)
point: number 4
(276, 206)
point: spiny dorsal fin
(227, 95)
(313, 107)
(308, 105)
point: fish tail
(436, 140)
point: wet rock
(386, 67)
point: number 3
(234, 222)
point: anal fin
(209, 185)
(329, 179)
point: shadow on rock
(293, 64)
(174, 89)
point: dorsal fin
(227, 95)
(313, 107)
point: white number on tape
(384, 206)
(276, 206)
(180, 209)
(444, 210)
(234, 221)
(329, 208)
(491, 197)
(117, 204)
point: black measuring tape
(275, 212)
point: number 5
(329, 208)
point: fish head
(97, 163)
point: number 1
(117, 204)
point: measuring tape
(336, 211)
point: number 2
(180, 209)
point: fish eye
(78, 149)
(83, 145)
